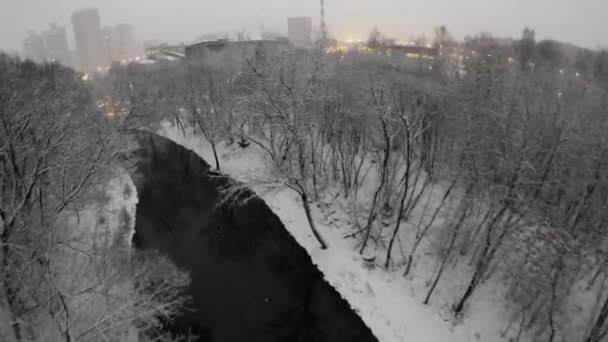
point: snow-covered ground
(390, 304)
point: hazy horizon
(185, 20)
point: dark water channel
(251, 281)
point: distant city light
(85, 77)
(561, 71)
(578, 75)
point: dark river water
(251, 281)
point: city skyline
(95, 46)
(50, 45)
(190, 19)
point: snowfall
(390, 304)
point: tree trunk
(313, 160)
(472, 285)
(596, 332)
(395, 231)
(403, 198)
(311, 222)
(371, 217)
(427, 227)
(210, 135)
(408, 266)
(435, 282)
(217, 160)
(8, 290)
(447, 253)
(484, 259)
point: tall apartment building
(89, 40)
(56, 45)
(127, 47)
(119, 42)
(33, 47)
(299, 31)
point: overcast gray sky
(581, 22)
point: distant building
(33, 47)
(212, 36)
(299, 31)
(89, 40)
(165, 49)
(56, 45)
(150, 43)
(110, 43)
(249, 48)
(119, 42)
(413, 51)
(128, 44)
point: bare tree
(285, 98)
(56, 151)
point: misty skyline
(184, 20)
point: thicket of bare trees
(499, 150)
(62, 276)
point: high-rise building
(110, 43)
(126, 41)
(33, 47)
(119, 42)
(56, 44)
(89, 40)
(150, 43)
(129, 43)
(299, 30)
